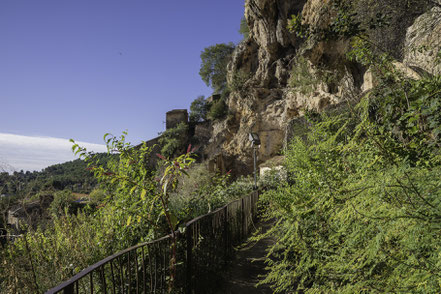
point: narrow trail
(243, 275)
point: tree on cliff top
(198, 109)
(214, 65)
(244, 30)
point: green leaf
(164, 187)
(144, 191)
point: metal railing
(204, 248)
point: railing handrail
(100, 263)
(212, 212)
(110, 258)
(205, 215)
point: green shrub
(71, 244)
(234, 190)
(302, 78)
(203, 191)
(238, 80)
(360, 210)
(218, 110)
(97, 196)
(45, 257)
(306, 79)
(62, 203)
(174, 140)
(198, 109)
(272, 179)
(244, 30)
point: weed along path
(242, 276)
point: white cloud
(35, 153)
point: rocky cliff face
(278, 76)
(423, 42)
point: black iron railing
(204, 248)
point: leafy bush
(306, 79)
(361, 211)
(244, 30)
(217, 110)
(302, 77)
(198, 109)
(272, 179)
(203, 191)
(62, 202)
(238, 80)
(234, 190)
(43, 258)
(174, 140)
(71, 244)
(97, 196)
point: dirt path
(248, 265)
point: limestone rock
(266, 101)
(423, 42)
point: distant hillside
(71, 175)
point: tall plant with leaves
(173, 141)
(198, 109)
(214, 61)
(174, 169)
(244, 30)
(132, 182)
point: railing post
(226, 237)
(255, 199)
(243, 218)
(69, 289)
(189, 274)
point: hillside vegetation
(138, 204)
(360, 211)
(20, 188)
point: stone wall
(175, 117)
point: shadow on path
(242, 276)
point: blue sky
(81, 68)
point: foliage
(213, 69)
(174, 140)
(345, 22)
(198, 109)
(41, 259)
(302, 78)
(204, 191)
(244, 30)
(97, 196)
(174, 169)
(217, 110)
(295, 26)
(71, 175)
(44, 258)
(272, 178)
(238, 80)
(360, 210)
(306, 79)
(62, 203)
(234, 190)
